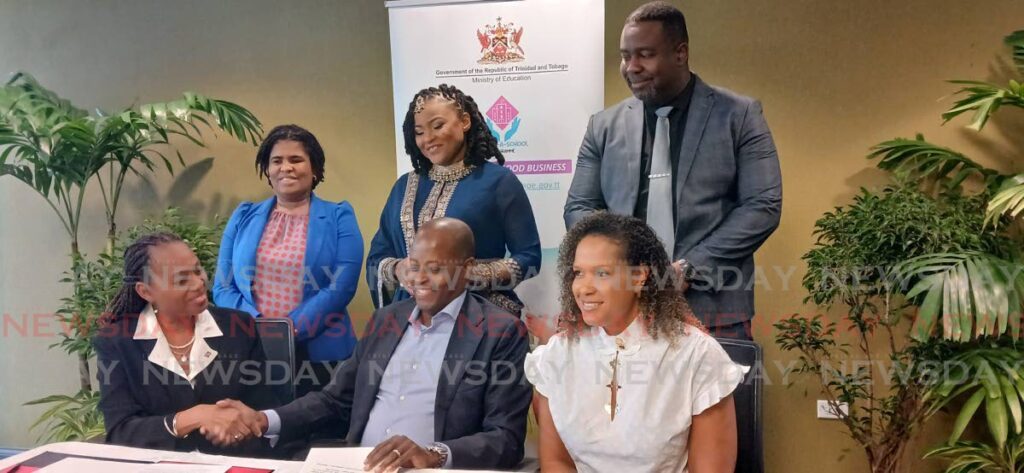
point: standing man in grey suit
(696, 162)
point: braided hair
(480, 144)
(136, 262)
(662, 304)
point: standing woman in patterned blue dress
(457, 172)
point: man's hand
(541, 326)
(223, 427)
(683, 283)
(254, 421)
(400, 452)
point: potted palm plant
(974, 298)
(58, 150)
(937, 254)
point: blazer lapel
(634, 143)
(462, 345)
(696, 121)
(245, 266)
(179, 393)
(319, 227)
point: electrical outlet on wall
(825, 410)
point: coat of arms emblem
(499, 43)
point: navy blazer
(480, 415)
(728, 191)
(334, 258)
(136, 394)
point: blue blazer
(480, 409)
(334, 256)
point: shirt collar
(679, 103)
(201, 355)
(149, 329)
(631, 339)
(451, 310)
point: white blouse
(660, 388)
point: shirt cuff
(273, 426)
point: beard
(647, 94)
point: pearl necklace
(181, 351)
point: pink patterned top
(277, 287)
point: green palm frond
(69, 418)
(1015, 41)
(990, 378)
(984, 99)
(917, 160)
(973, 294)
(1008, 201)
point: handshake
(224, 424)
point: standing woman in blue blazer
(294, 255)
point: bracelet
(170, 427)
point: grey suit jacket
(482, 397)
(728, 190)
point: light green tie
(659, 190)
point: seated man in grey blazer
(436, 381)
(696, 162)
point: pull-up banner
(535, 68)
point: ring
(397, 453)
(237, 436)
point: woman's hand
(402, 273)
(221, 426)
(225, 426)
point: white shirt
(200, 356)
(661, 388)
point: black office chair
(278, 339)
(750, 458)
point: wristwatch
(442, 453)
(687, 270)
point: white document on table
(336, 460)
(350, 460)
(80, 465)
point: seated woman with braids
(165, 358)
(451, 148)
(632, 382)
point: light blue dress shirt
(408, 388)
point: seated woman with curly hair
(633, 382)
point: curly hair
(291, 133)
(662, 304)
(481, 145)
(136, 262)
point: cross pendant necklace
(614, 386)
